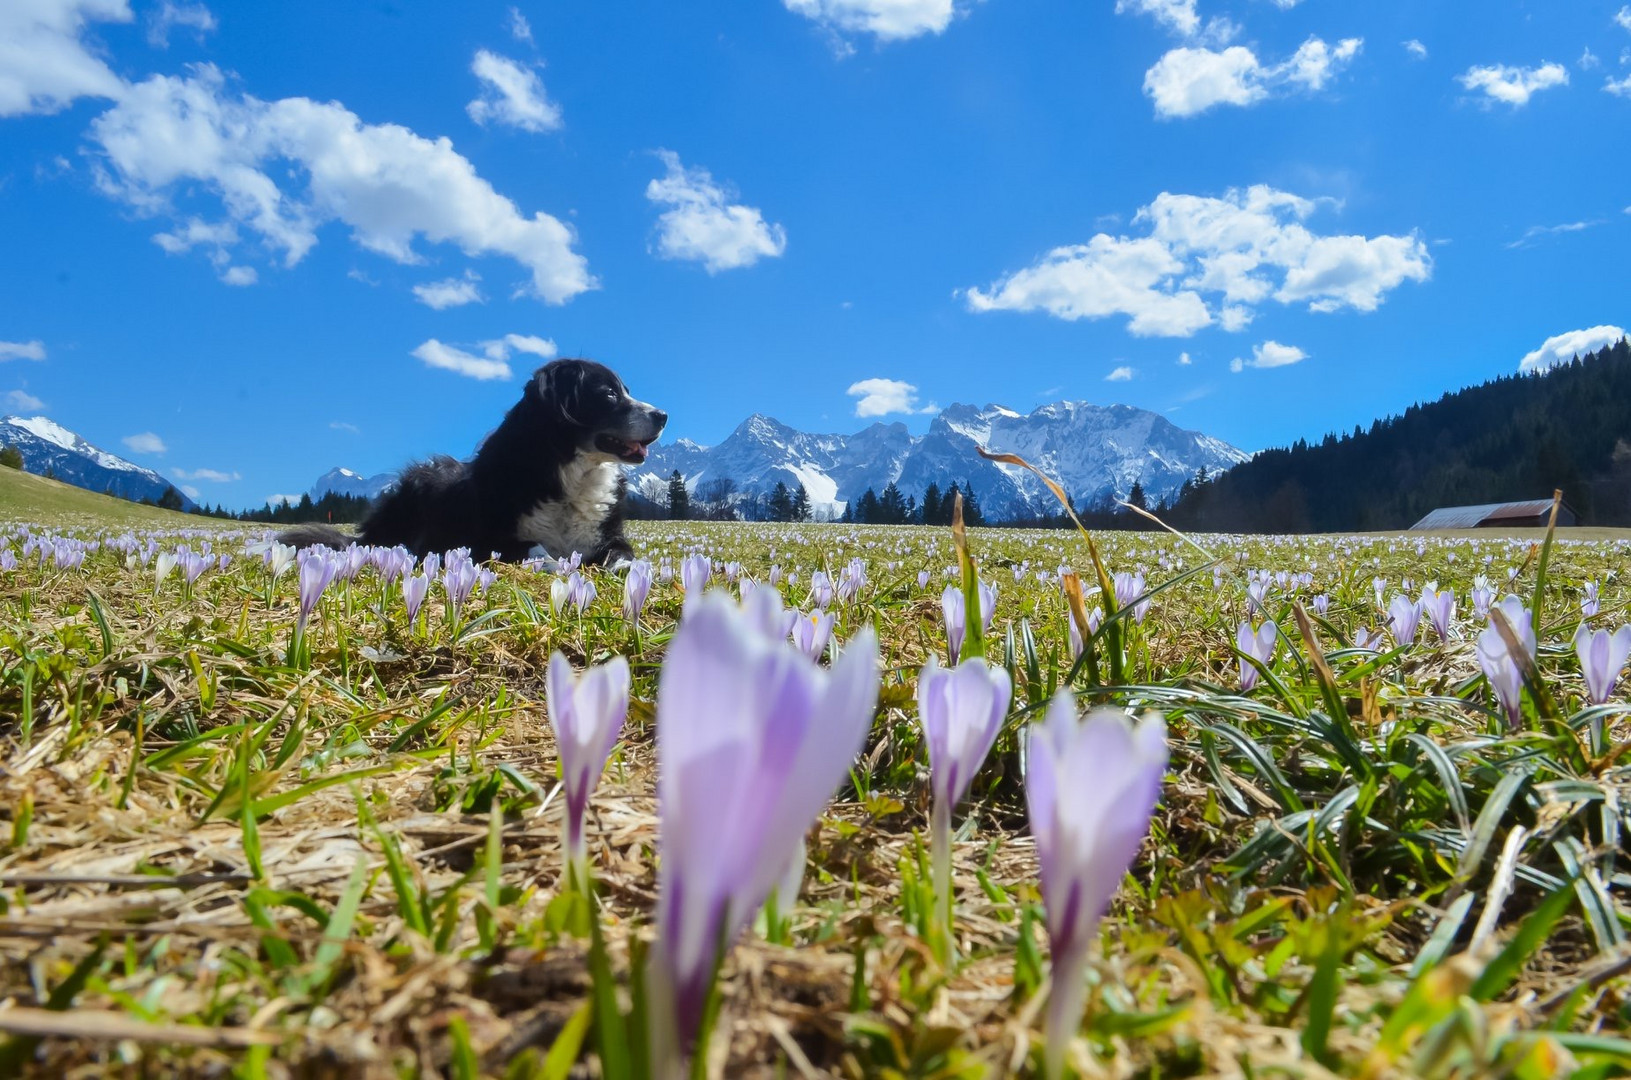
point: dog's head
(590, 401)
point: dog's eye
(609, 394)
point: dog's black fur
(545, 482)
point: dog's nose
(660, 417)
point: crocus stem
(940, 866)
(1065, 1001)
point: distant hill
(1518, 437)
(49, 449)
(345, 482)
(26, 497)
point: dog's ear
(557, 386)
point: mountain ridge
(47, 446)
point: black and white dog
(545, 483)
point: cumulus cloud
(493, 360)
(1618, 87)
(215, 476)
(1416, 49)
(22, 401)
(1622, 18)
(239, 275)
(881, 397)
(1209, 260)
(45, 64)
(1184, 360)
(1562, 348)
(22, 350)
(1512, 86)
(281, 500)
(886, 20)
(1188, 81)
(703, 225)
(283, 168)
(1120, 374)
(145, 443)
(1270, 354)
(1180, 18)
(171, 14)
(511, 94)
(451, 292)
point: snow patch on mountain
(48, 447)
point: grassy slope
(26, 497)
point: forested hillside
(1518, 437)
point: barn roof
(1470, 517)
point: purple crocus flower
(1322, 605)
(316, 571)
(1404, 616)
(580, 591)
(923, 579)
(694, 573)
(1130, 588)
(1499, 667)
(952, 606)
(586, 715)
(763, 606)
(1090, 788)
(1590, 604)
(1439, 607)
(821, 589)
(752, 738)
(1602, 658)
(811, 632)
(192, 564)
(1258, 644)
(961, 710)
(1483, 597)
(636, 587)
(414, 589)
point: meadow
(235, 848)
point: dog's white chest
(573, 523)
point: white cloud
(1416, 49)
(1120, 374)
(1588, 61)
(1190, 80)
(1240, 250)
(520, 28)
(1272, 354)
(887, 20)
(449, 358)
(511, 94)
(279, 500)
(239, 275)
(1535, 232)
(190, 491)
(1622, 18)
(145, 443)
(215, 476)
(452, 292)
(22, 401)
(1184, 360)
(703, 225)
(1562, 348)
(492, 363)
(343, 425)
(1512, 86)
(1618, 87)
(44, 63)
(173, 13)
(881, 397)
(390, 185)
(22, 350)
(521, 343)
(1178, 16)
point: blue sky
(246, 242)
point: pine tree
(679, 499)
(931, 504)
(801, 504)
(171, 499)
(11, 457)
(891, 506)
(866, 510)
(781, 503)
(972, 514)
(1136, 497)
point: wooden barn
(1525, 514)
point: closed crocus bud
(1090, 789)
(1258, 644)
(586, 714)
(1602, 658)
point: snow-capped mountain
(48, 447)
(346, 482)
(1093, 450)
